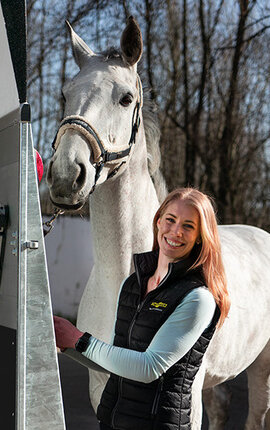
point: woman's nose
(178, 230)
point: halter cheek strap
(101, 156)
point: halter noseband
(101, 155)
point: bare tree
(206, 65)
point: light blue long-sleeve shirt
(171, 342)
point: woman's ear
(158, 223)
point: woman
(167, 313)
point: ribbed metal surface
(38, 385)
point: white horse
(95, 149)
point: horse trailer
(30, 389)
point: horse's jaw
(67, 206)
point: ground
(80, 416)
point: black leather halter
(106, 156)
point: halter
(101, 155)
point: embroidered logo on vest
(158, 306)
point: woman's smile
(173, 243)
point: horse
(104, 150)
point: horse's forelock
(111, 53)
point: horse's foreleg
(216, 401)
(196, 400)
(97, 382)
(259, 391)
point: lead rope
(49, 224)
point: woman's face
(178, 230)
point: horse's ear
(131, 42)
(80, 50)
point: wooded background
(206, 65)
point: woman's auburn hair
(210, 255)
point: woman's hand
(66, 334)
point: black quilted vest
(163, 404)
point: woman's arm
(172, 341)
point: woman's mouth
(172, 243)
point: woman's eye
(170, 219)
(188, 226)
(126, 100)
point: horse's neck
(121, 213)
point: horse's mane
(152, 131)
(152, 136)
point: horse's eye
(126, 100)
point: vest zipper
(133, 321)
(157, 397)
(139, 307)
(120, 380)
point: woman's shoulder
(196, 309)
(200, 299)
(201, 294)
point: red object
(39, 165)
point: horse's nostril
(80, 180)
(49, 174)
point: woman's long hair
(210, 255)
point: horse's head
(102, 110)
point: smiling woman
(167, 314)
(188, 216)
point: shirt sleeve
(171, 342)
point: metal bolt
(31, 244)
